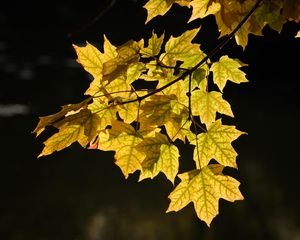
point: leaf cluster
(143, 125)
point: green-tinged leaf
(199, 78)
(49, 120)
(204, 188)
(158, 73)
(160, 156)
(269, 12)
(157, 7)
(216, 144)
(227, 69)
(203, 8)
(127, 54)
(206, 104)
(154, 46)
(181, 49)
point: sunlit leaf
(206, 104)
(181, 49)
(203, 8)
(49, 120)
(154, 46)
(204, 188)
(161, 156)
(157, 7)
(227, 69)
(216, 144)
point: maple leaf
(204, 188)
(157, 110)
(49, 120)
(216, 144)
(181, 49)
(123, 139)
(154, 46)
(206, 104)
(90, 58)
(203, 8)
(161, 156)
(81, 127)
(227, 69)
(157, 7)
(269, 12)
(104, 111)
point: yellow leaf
(81, 126)
(90, 58)
(157, 7)
(203, 8)
(216, 144)
(134, 71)
(67, 135)
(129, 112)
(158, 73)
(206, 104)
(227, 69)
(241, 36)
(105, 112)
(183, 3)
(204, 188)
(181, 102)
(118, 127)
(49, 120)
(160, 156)
(157, 110)
(178, 126)
(168, 161)
(109, 50)
(122, 139)
(298, 34)
(116, 68)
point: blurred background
(78, 194)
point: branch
(208, 56)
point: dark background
(82, 195)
